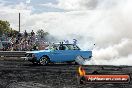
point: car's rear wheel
(44, 60)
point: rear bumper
(89, 58)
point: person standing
(32, 33)
(25, 34)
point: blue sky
(36, 4)
(32, 2)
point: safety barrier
(12, 53)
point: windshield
(73, 47)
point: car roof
(63, 44)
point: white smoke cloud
(28, 1)
(110, 27)
(118, 54)
(79, 5)
(76, 4)
(104, 22)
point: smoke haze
(106, 23)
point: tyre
(44, 60)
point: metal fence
(12, 53)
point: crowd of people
(21, 42)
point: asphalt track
(22, 74)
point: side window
(73, 47)
(76, 47)
(62, 47)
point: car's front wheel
(44, 60)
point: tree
(41, 33)
(5, 28)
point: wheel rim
(44, 61)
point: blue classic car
(57, 53)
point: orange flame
(81, 71)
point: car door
(56, 55)
(60, 55)
(71, 54)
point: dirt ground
(22, 74)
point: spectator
(32, 33)
(10, 34)
(19, 36)
(25, 34)
(3, 37)
(19, 42)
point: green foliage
(41, 33)
(5, 28)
